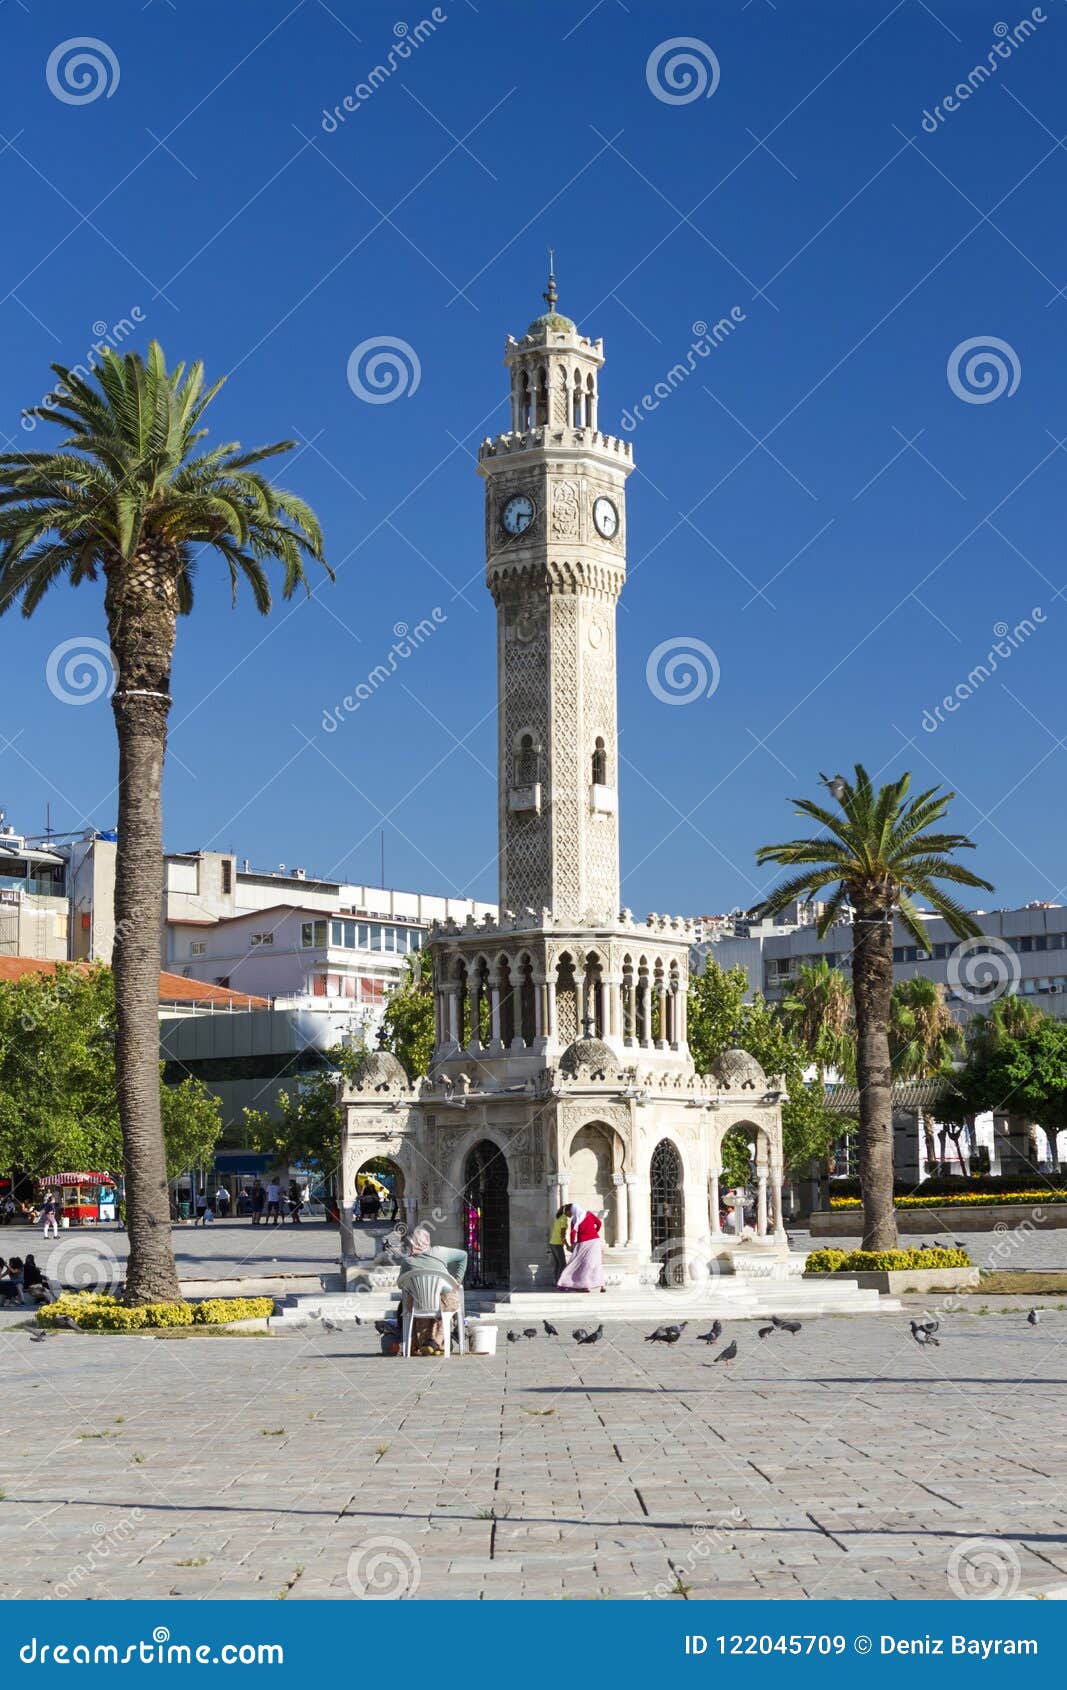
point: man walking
(257, 1198)
(50, 1214)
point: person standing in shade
(257, 1198)
(274, 1201)
(50, 1214)
(557, 1240)
(295, 1201)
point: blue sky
(816, 503)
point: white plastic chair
(422, 1292)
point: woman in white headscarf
(419, 1252)
(585, 1270)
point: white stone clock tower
(555, 537)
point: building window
(600, 764)
(313, 933)
(226, 871)
(527, 761)
(261, 939)
(198, 948)
(222, 980)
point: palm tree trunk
(142, 620)
(872, 985)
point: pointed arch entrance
(487, 1215)
(666, 1188)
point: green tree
(881, 850)
(58, 1097)
(818, 1010)
(408, 1021)
(1016, 1065)
(924, 1039)
(720, 1018)
(130, 497)
(308, 1123)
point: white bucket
(482, 1340)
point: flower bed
(969, 1199)
(883, 1261)
(96, 1312)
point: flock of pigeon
(665, 1335)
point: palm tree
(818, 1012)
(924, 1037)
(128, 497)
(878, 848)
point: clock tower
(555, 536)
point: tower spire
(550, 294)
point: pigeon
(1033, 1317)
(659, 1336)
(929, 1327)
(529, 1331)
(712, 1335)
(681, 1326)
(513, 1338)
(765, 1331)
(579, 1334)
(38, 1337)
(550, 1329)
(793, 1326)
(921, 1336)
(595, 1337)
(330, 1325)
(727, 1355)
(835, 785)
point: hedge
(986, 1185)
(96, 1312)
(965, 1200)
(883, 1261)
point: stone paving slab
(845, 1462)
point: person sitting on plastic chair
(418, 1253)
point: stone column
(661, 993)
(539, 1008)
(761, 1205)
(494, 1014)
(453, 1015)
(619, 1206)
(777, 1179)
(632, 1223)
(551, 1028)
(713, 1203)
(474, 996)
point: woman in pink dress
(585, 1270)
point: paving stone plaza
(840, 1462)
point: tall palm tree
(924, 1037)
(818, 1011)
(878, 848)
(128, 497)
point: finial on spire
(550, 295)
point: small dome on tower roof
(588, 1053)
(381, 1071)
(551, 322)
(738, 1070)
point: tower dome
(381, 1071)
(592, 1054)
(738, 1070)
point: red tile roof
(173, 988)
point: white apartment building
(34, 912)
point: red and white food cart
(84, 1197)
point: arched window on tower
(590, 403)
(541, 420)
(600, 763)
(525, 404)
(577, 407)
(527, 762)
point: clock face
(606, 517)
(517, 514)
